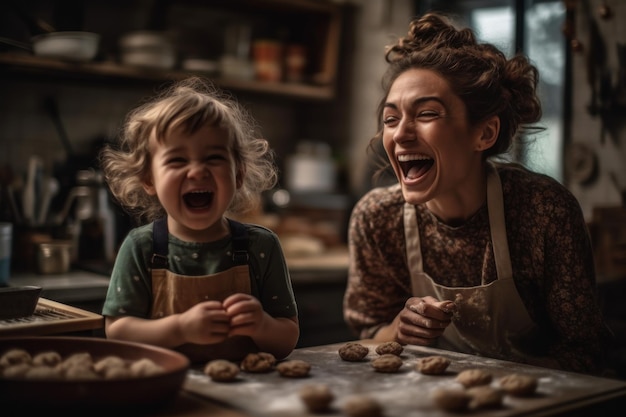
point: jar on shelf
(268, 58)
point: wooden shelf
(29, 65)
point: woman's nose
(405, 130)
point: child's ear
(489, 131)
(148, 185)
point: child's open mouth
(414, 165)
(198, 199)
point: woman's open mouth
(414, 165)
(198, 199)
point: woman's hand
(246, 314)
(205, 323)
(423, 320)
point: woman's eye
(389, 121)
(427, 114)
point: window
(533, 27)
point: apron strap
(160, 251)
(497, 224)
(159, 244)
(240, 242)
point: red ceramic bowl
(121, 394)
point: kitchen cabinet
(319, 295)
(198, 28)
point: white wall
(378, 23)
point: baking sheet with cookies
(405, 393)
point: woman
(463, 253)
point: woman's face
(426, 134)
(195, 178)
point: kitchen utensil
(29, 194)
(50, 189)
(16, 302)
(69, 45)
(99, 394)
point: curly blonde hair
(191, 104)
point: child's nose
(198, 170)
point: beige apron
(491, 319)
(172, 293)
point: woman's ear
(489, 133)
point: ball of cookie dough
(80, 360)
(432, 365)
(474, 377)
(48, 358)
(353, 352)
(81, 373)
(316, 397)
(387, 363)
(221, 370)
(450, 399)
(116, 372)
(294, 368)
(18, 370)
(393, 348)
(145, 367)
(258, 362)
(14, 357)
(108, 362)
(43, 372)
(485, 396)
(518, 385)
(362, 406)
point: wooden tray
(51, 317)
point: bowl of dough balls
(73, 372)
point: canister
(6, 239)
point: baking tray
(51, 317)
(406, 393)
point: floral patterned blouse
(550, 250)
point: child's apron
(173, 293)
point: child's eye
(175, 160)
(216, 157)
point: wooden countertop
(403, 394)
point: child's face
(195, 177)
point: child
(194, 279)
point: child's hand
(205, 323)
(245, 312)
